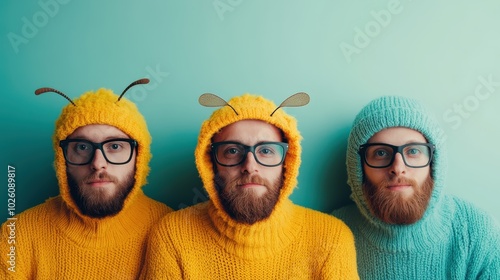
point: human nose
(99, 161)
(250, 164)
(398, 166)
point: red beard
(244, 205)
(98, 203)
(392, 207)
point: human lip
(98, 183)
(398, 186)
(250, 185)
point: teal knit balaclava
(386, 112)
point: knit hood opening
(248, 107)
(102, 107)
(386, 112)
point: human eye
(232, 150)
(379, 153)
(267, 150)
(115, 146)
(414, 150)
(81, 147)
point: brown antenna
(46, 89)
(212, 100)
(140, 81)
(297, 100)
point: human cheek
(272, 174)
(122, 172)
(421, 175)
(227, 173)
(77, 172)
(369, 175)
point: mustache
(246, 179)
(99, 176)
(221, 183)
(399, 181)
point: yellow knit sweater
(204, 242)
(294, 243)
(53, 242)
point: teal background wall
(343, 53)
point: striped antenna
(140, 81)
(46, 89)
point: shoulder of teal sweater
(478, 224)
(347, 213)
(481, 233)
(473, 214)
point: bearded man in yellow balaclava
(248, 157)
(97, 226)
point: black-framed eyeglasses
(82, 151)
(231, 153)
(381, 155)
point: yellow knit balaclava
(102, 107)
(248, 107)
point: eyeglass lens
(414, 155)
(230, 154)
(82, 151)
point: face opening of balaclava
(249, 107)
(386, 112)
(102, 107)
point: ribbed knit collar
(106, 232)
(260, 240)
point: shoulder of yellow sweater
(324, 222)
(36, 218)
(157, 206)
(41, 210)
(191, 214)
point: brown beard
(391, 207)
(98, 203)
(243, 205)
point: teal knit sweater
(459, 242)
(453, 240)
